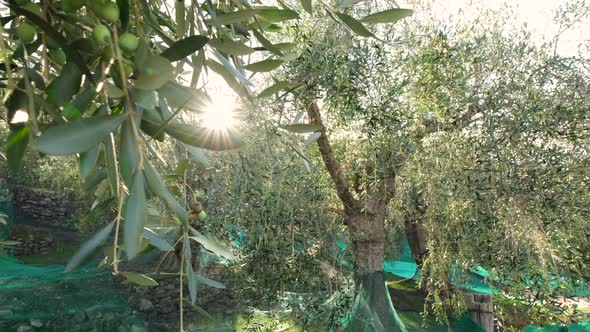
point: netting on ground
(34, 298)
(373, 310)
(582, 327)
(473, 281)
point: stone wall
(33, 246)
(42, 207)
(32, 240)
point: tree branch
(336, 211)
(332, 164)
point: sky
(537, 14)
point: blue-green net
(44, 298)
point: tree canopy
(351, 128)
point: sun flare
(219, 115)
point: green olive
(101, 34)
(95, 6)
(50, 42)
(202, 215)
(108, 52)
(128, 68)
(108, 12)
(128, 42)
(25, 32)
(71, 6)
(58, 56)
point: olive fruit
(51, 43)
(108, 11)
(71, 6)
(108, 52)
(101, 34)
(25, 32)
(58, 56)
(128, 68)
(128, 42)
(202, 215)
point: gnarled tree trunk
(373, 310)
(367, 233)
(416, 239)
(414, 227)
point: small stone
(108, 316)
(80, 316)
(145, 305)
(24, 328)
(36, 323)
(137, 328)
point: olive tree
(450, 124)
(107, 80)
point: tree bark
(351, 205)
(414, 227)
(367, 233)
(416, 239)
(373, 310)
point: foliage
(258, 198)
(502, 165)
(487, 131)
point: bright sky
(536, 14)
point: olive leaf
(275, 15)
(88, 161)
(155, 72)
(354, 25)
(229, 46)
(301, 128)
(16, 146)
(184, 47)
(211, 245)
(236, 17)
(156, 240)
(139, 279)
(387, 16)
(135, 215)
(89, 246)
(78, 136)
(264, 65)
(275, 88)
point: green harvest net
(582, 327)
(362, 317)
(40, 298)
(373, 310)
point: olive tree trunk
(373, 310)
(367, 233)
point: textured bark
(417, 239)
(366, 223)
(368, 242)
(414, 227)
(351, 205)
